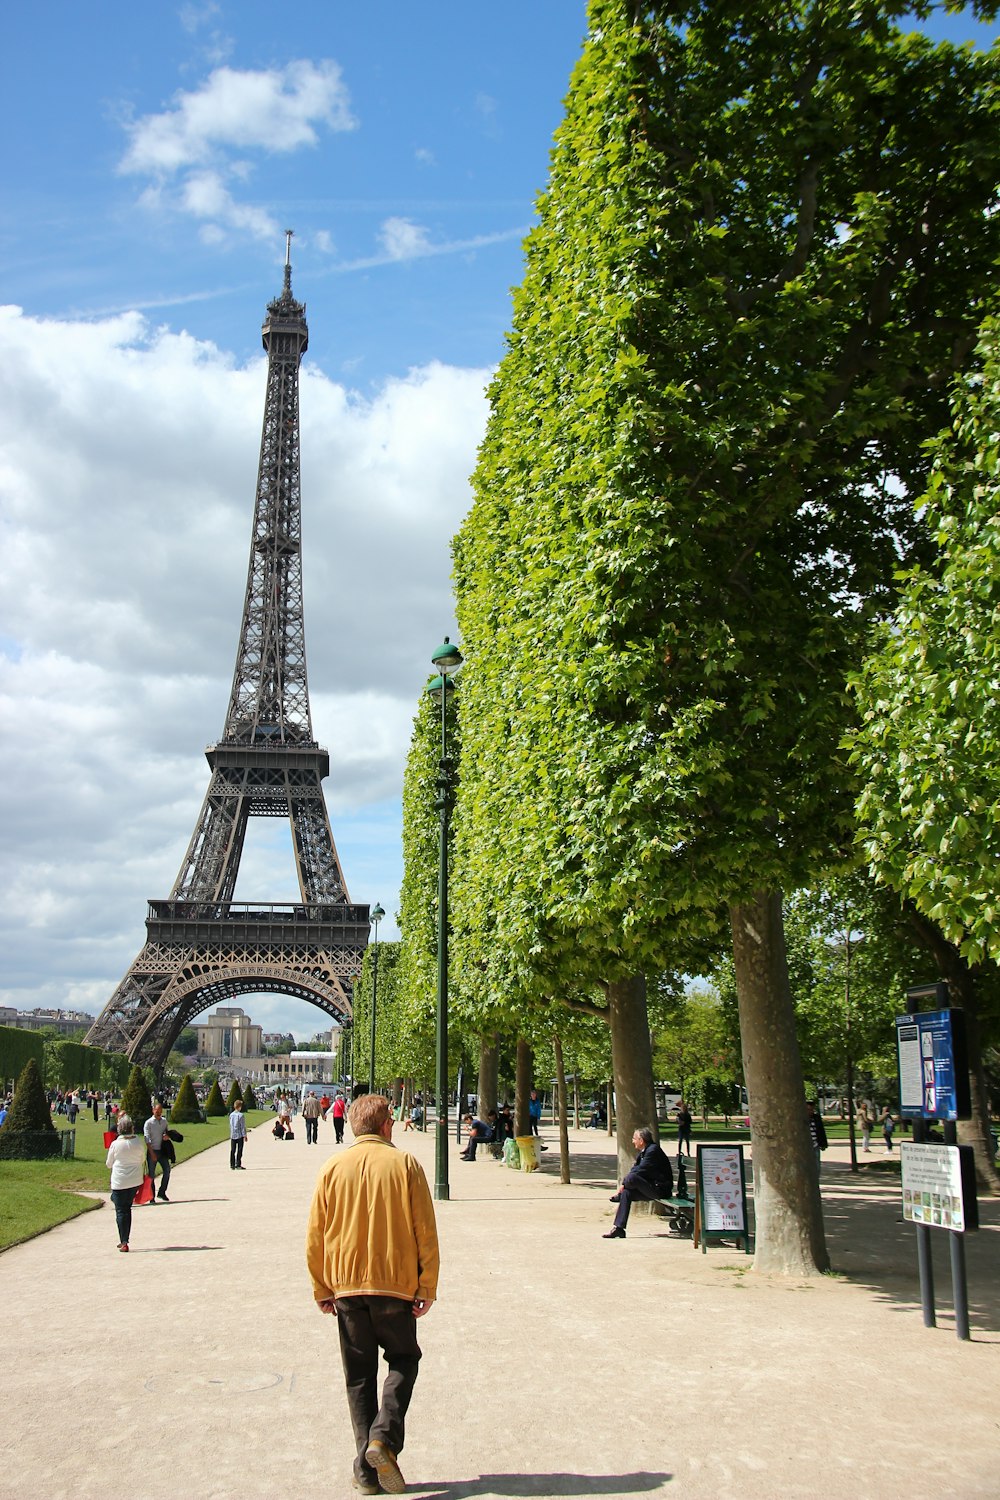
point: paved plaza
(555, 1362)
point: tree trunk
(632, 1063)
(789, 1238)
(962, 987)
(610, 1105)
(489, 1063)
(522, 1088)
(563, 1116)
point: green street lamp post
(446, 659)
(376, 915)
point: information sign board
(938, 1186)
(721, 1196)
(933, 1066)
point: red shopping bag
(109, 1136)
(145, 1193)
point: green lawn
(37, 1195)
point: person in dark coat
(651, 1177)
(817, 1131)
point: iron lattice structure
(202, 947)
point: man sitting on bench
(651, 1177)
(479, 1133)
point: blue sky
(153, 156)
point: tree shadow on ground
(540, 1485)
(870, 1245)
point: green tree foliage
(114, 1071)
(235, 1092)
(28, 1132)
(186, 1109)
(929, 745)
(71, 1064)
(698, 1053)
(17, 1045)
(136, 1101)
(249, 1097)
(215, 1104)
(187, 1041)
(755, 271)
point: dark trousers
(123, 1198)
(684, 1139)
(164, 1166)
(338, 1128)
(236, 1152)
(312, 1130)
(368, 1324)
(635, 1194)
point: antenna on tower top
(288, 259)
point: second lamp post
(446, 659)
(376, 915)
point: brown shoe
(383, 1461)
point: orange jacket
(371, 1226)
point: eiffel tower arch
(202, 947)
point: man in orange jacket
(372, 1253)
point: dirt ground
(555, 1363)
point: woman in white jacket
(127, 1160)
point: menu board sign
(723, 1196)
(935, 1181)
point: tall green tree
(136, 1100)
(928, 748)
(756, 269)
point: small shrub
(186, 1110)
(29, 1108)
(136, 1101)
(249, 1098)
(235, 1092)
(215, 1104)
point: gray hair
(646, 1134)
(125, 1126)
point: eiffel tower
(201, 946)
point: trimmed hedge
(136, 1101)
(215, 1104)
(16, 1048)
(186, 1110)
(71, 1064)
(249, 1097)
(28, 1133)
(235, 1092)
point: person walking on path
(651, 1177)
(866, 1125)
(372, 1254)
(127, 1160)
(310, 1113)
(534, 1111)
(154, 1130)
(237, 1136)
(338, 1110)
(817, 1131)
(888, 1126)
(683, 1127)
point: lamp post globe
(376, 916)
(446, 659)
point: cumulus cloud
(276, 109)
(194, 150)
(128, 459)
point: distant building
(229, 1033)
(63, 1021)
(298, 1067)
(276, 1038)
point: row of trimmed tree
(727, 613)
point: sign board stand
(938, 1181)
(720, 1197)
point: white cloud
(401, 239)
(127, 469)
(193, 151)
(275, 110)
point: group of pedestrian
(133, 1158)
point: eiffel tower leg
(134, 1002)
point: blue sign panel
(933, 1072)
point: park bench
(680, 1213)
